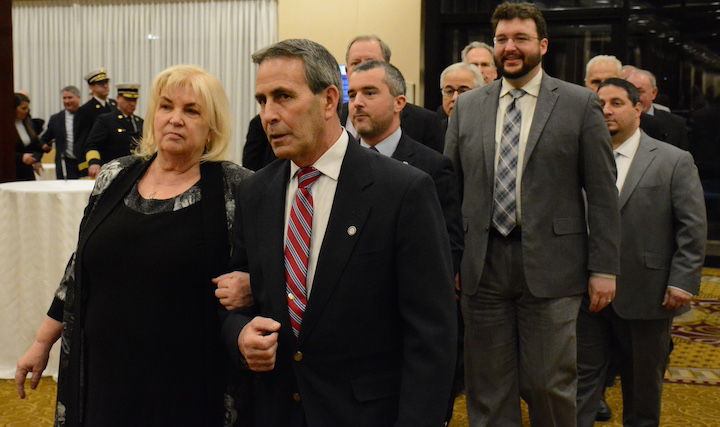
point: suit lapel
(271, 229)
(641, 161)
(350, 209)
(488, 106)
(543, 107)
(403, 152)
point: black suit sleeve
(257, 152)
(49, 135)
(98, 135)
(446, 185)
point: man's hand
(93, 170)
(602, 292)
(258, 343)
(233, 290)
(675, 299)
(28, 159)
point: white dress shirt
(388, 145)
(527, 110)
(22, 133)
(69, 136)
(101, 101)
(624, 155)
(323, 193)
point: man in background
(62, 130)
(99, 84)
(480, 55)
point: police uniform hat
(97, 76)
(128, 90)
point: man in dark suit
(99, 84)
(117, 133)
(525, 147)
(377, 96)
(62, 131)
(674, 127)
(662, 253)
(350, 266)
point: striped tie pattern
(297, 246)
(506, 172)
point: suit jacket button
(296, 397)
(298, 356)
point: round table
(39, 222)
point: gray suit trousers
(642, 348)
(518, 345)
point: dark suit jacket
(85, 118)
(441, 170)
(568, 150)
(663, 230)
(379, 332)
(257, 151)
(57, 133)
(25, 172)
(112, 136)
(418, 123)
(674, 129)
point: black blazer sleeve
(257, 151)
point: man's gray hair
(393, 77)
(72, 89)
(478, 79)
(646, 73)
(384, 48)
(476, 45)
(321, 68)
(604, 58)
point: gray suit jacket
(568, 150)
(663, 230)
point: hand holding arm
(258, 343)
(36, 358)
(234, 290)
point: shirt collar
(388, 145)
(330, 162)
(630, 146)
(532, 87)
(103, 103)
(651, 111)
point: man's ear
(331, 96)
(400, 102)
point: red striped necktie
(297, 246)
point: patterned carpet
(691, 396)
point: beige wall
(333, 23)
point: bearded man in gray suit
(661, 255)
(525, 147)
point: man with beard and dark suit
(527, 148)
(377, 96)
(99, 84)
(115, 134)
(662, 253)
(62, 130)
(674, 127)
(350, 266)
(417, 122)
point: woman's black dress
(153, 341)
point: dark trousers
(642, 346)
(71, 167)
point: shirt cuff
(603, 275)
(679, 289)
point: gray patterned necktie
(506, 171)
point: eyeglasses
(449, 91)
(519, 40)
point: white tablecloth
(47, 173)
(39, 223)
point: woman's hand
(234, 290)
(36, 358)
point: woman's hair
(214, 108)
(20, 98)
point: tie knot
(307, 177)
(517, 93)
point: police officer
(115, 134)
(99, 84)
